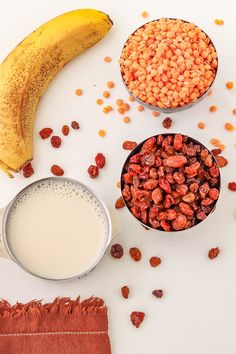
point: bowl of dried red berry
(168, 64)
(170, 182)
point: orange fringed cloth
(64, 326)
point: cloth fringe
(61, 306)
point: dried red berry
(222, 161)
(216, 152)
(65, 130)
(135, 253)
(167, 123)
(232, 186)
(75, 125)
(125, 291)
(100, 160)
(28, 170)
(45, 133)
(93, 171)
(158, 293)
(117, 251)
(119, 203)
(155, 261)
(129, 145)
(56, 141)
(176, 161)
(57, 170)
(137, 318)
(213, 253)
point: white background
(197, 315)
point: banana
(28, 70)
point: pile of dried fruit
(172, 182)
(168, 63)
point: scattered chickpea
(221, 147)
(102, 133)
(118, 184)
(219, 22)
(131, 99)
(119, 102)
(121, 110)
(201, 125)
(213, 109)
(229, 127)
(99, 101)
(107, 109)
(126, 120)
(126, 106)
(145, 14)
(155, 114)
(215, 141)
(209, 92)
(140, 108)
(79, 92)
(107, 59)
(110, 84)
(234, 111)
(229, 85)
(106, 94)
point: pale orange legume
(118, 184)
(107, 59)
(155, 114)
(126, 106)
(131, 98)
(110, 84)
(102, 133)
(99, 101)
(126, 120)
(219, 22)
(209, 93)
(107, 109)
(234, 111)
(140, 108)
(174, 63)
(229, 85)
(213, 109)
(201, 125)
(79, 92)
(121, 110)
(145, 14)
(106, 94)
(229, 127)
(119, 102)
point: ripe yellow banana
(29, 68)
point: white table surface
(197, 315)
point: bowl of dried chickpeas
(168, 64)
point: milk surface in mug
(57, 229)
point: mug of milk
(57, 229)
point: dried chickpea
(79, 92)
(155, 114)
(234, 111)
(110, 84)
(229, 85)
(201, 125)
(140, 108)
(121, 110)
(213, 109)
(107, 59)
(119, 102)
(219, 22)
(102, 133)
(229, 126)
(106, 94)
(118, 184)
(99, 101)
(126, 120)
(126, 106)
(131, 99)
(145, 14)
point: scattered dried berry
(100, 160)
(222, 161)
(213, 253)
(158, 293)
(28, 170)
(65, 130)
(93, 171)
(119, 203)
(135, 253)
(75, 125)
(45, 133)
(232, 186)
(155, 261)
(167, 122)
(137, 318)
(117, 251)
(171, 183)
(125, 291)
(216, 152)
(57, 170)
(129, 145)
(56, 141)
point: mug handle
(3, 250)
(116, 227)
